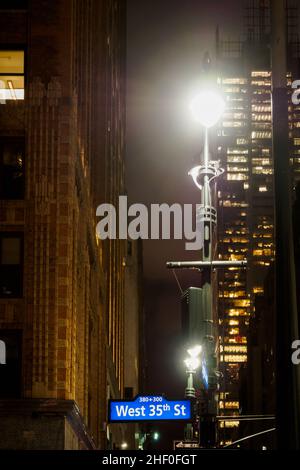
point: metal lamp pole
(204, 176)
(208, 217)
(190, 394)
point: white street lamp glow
(195, 351)
(207, 108)
(192, 364)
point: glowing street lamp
(207, 108)
(192, 363)
(195, 351)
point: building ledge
(50, 407)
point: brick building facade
(62, 122)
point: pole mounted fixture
(206, 264)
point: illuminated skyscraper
(246, 199)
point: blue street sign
(149, 408)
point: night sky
(166, 41)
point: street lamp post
(207, 109)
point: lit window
(257, 252)
(232, 89)
(259, 170)
(260, 73)
(261, 109)
(235, 349)
(261, 135)
(261, 117)
(233, 312)
(236, 151)
(235, 358)
(231, 168)
(235, 99)
(237, 176)
(234, 124)
(238, 115)
(235, 240)
(261, 161)
(236, 339)
(242, 303)
(232, 404)
(264, 252)
(261, 263)
(236, 257)
(233, 294)
(11, 75)
(234, 331)
(230, 424)
(237, 159)
(234, 81)
(258, 290)
(228, 203)
(262, 91)
(240, 339)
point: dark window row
(13, 4)
(12, 152)
(10, 363)
(11, 265)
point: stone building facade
(62, 124)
